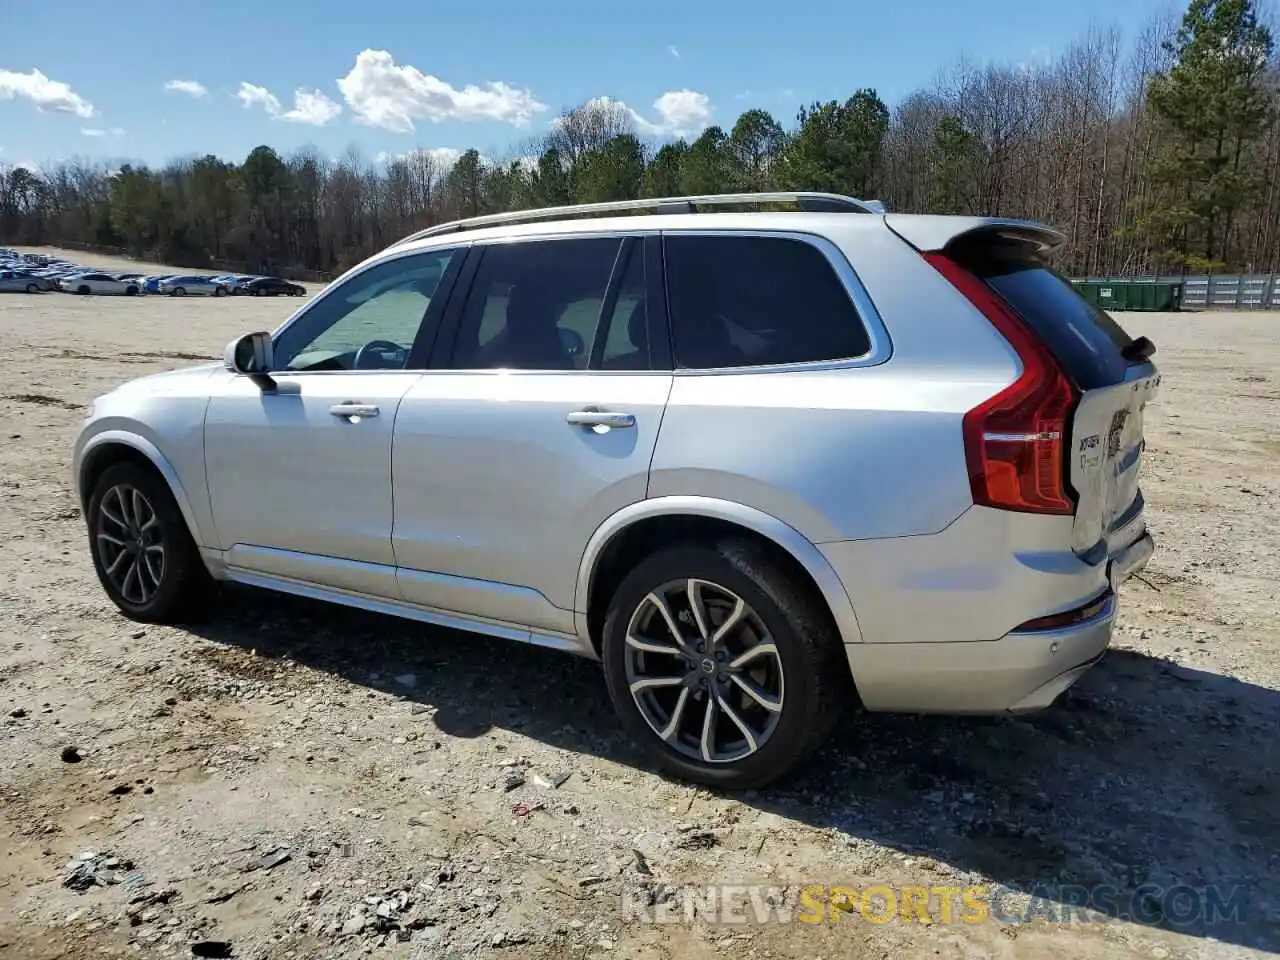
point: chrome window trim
(881, 346)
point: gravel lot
(297, 780)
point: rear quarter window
(738, 301)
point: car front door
(300, 475)
(542, 426)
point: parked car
(96, 282)
(192, 286)
(274, 287)
(234, 282)
(152, 284)
(14, 281)
(762, 464)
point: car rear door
(542, 426)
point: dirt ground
(290, 779)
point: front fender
(770, 527)
(85, 451)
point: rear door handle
(601, 418)
(360, 410)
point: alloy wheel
(130, 544)
(703, 671)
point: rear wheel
(721, 665)
(33, 288)
(219, 291)
(142, 550)
(82, 290)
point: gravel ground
(290, 779)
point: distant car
(46, 283)
(274, 287)
(152, 284)
(13, 281)
(234, 282)
(86, 283)
(193, 286)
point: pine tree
(1212, 105)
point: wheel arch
(110, 447)
(640, 528)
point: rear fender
(767, 526)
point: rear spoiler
(928, 233)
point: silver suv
(761, 455)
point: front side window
(757, 301)
(536, 305)
(370, 322)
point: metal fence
(1214, 292)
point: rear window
(1084, 339)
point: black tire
(33, 288)
(130, 291)
(257, 293)
(82, 291)
(814, 670)
(179, 292)
(219, 291)
(184, 585)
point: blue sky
(150, 80)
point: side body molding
(770, 527)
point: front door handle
(354, 410)
(601, 418)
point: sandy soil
(378, 754)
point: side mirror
(252, 356)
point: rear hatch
(1111, 371)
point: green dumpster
(1131, 294)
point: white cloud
(309, 106)
(382, 93)
(445, 157)
(313, 107)
(46, 94)
(683, 111)
(673, 50)
(189, 87)
(100, 132)
(680, 113)
(252, 95)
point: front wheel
(179, 291)
(82, 291)
(33, 288)
(130, 291)
(724, 668)
(219, 291)
(142, 550)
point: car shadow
(1147, 793)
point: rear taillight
(1015, 442)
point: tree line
(1162, 154)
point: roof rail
(809, 202)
